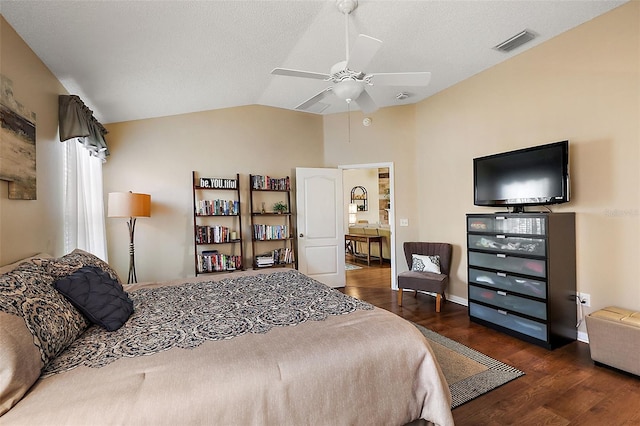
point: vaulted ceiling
(131, 60)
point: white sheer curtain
(84, 225)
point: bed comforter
(243, 349)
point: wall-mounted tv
(532, 176)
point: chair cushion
(425, 263)
(424, 281)
(98, 296)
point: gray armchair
(426, 281)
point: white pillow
(425, 263)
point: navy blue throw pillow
(98, 296)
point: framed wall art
(17, 145)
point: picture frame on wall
(18, 145)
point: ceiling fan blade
(306, 105)
(401, 79)
(363, 52)
(296, 73)
(366, 103)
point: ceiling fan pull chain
(349, 120)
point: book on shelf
(270, 232)
(218, 207)
(275, 257)
(212, 261)
(265, 259)
(267, 182)
(283, 256)
(213, 234)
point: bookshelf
(217, 224)
(271, 230)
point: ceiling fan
(349, 80)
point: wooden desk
(350, 239)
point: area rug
(469, 373)
(351, 267)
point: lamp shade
(129, 204)
(353, 209)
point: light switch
(404, 222)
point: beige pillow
(28, 301)
(66, 265)
(14, 265)
(20, 361)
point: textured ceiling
(139, 59)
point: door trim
(392, 214)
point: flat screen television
(532, 176)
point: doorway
(368, 201)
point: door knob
(301, 235)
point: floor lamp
(131, 205)
(353, 210)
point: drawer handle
(501, 236)
(501, 274)
(501, 255)
(502, 312)
(500, 218)
(502, 293)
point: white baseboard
(583, 337)
(458, 300)
(450, 298)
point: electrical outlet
(585, 299)
(404, 222)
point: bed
(246, 348)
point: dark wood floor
(561, 387)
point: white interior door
(320, 224)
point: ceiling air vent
(515, 41)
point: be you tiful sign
(218, 183)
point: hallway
(374, 276)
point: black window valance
(76, 120)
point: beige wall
(391, 138)
(157, 157)
(29, 227)
(584, 86)
(367, 178)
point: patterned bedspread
(248, 348)
(184, 316)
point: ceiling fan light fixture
(348, 90)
